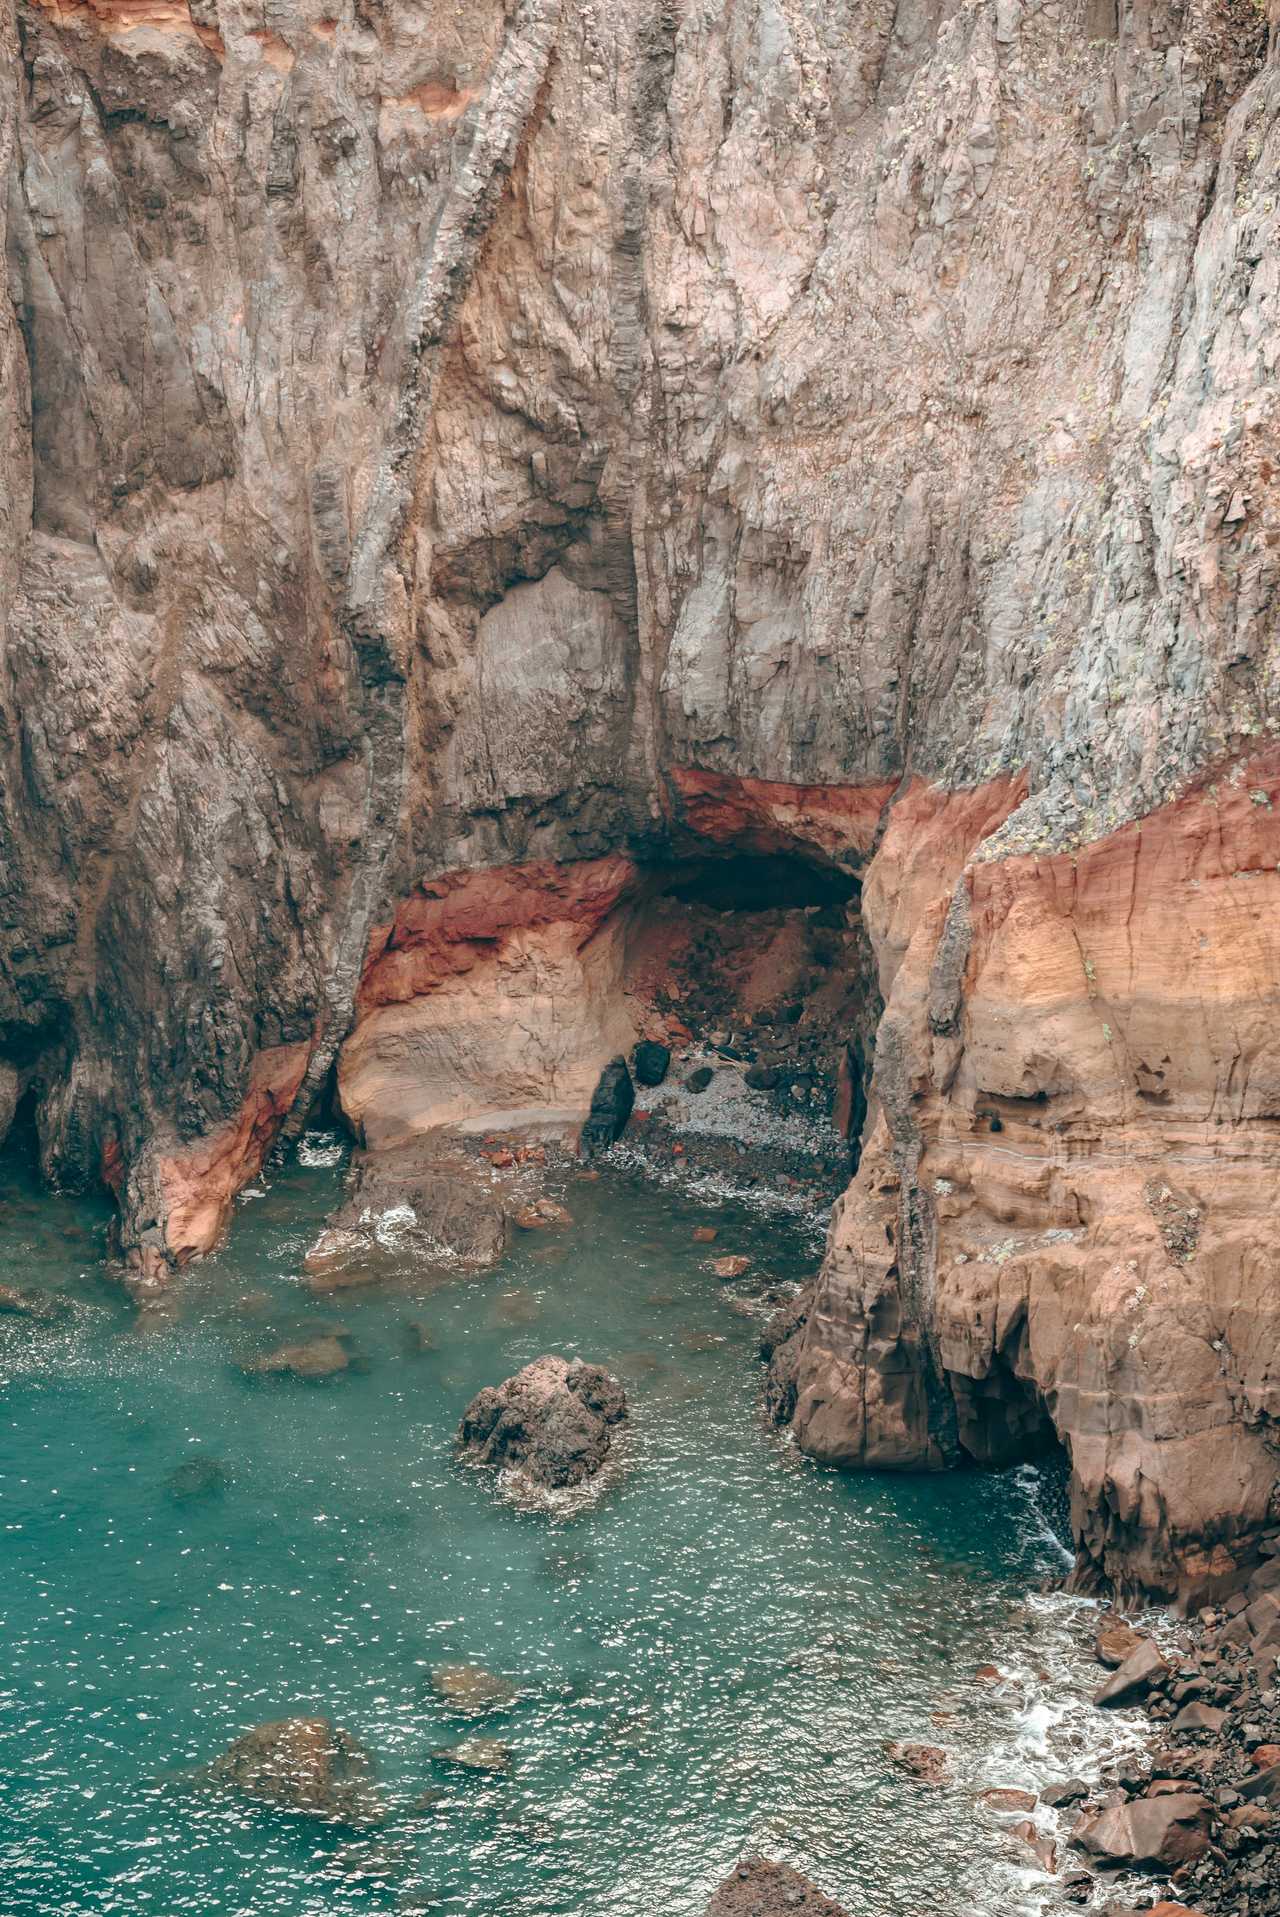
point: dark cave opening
(762, 882)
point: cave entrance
(759, 952)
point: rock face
(455, 465)
(550, 1426)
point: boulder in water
(471, 1691)
(611, 1105)
(760, 1888)
(314, 1358)
(925, 1761)
(303, 1765)
(551, 1424)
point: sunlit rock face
(521, 438)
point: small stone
(1142, 1669)
(734, 1265)
(1115, 1641)
(542, 1213)
(699, 1079)
(704, 1234)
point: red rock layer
(449, 923)
(763, 816)
(200, 1184)
(1062, 1221)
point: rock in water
(471, 1691)
(760, 1888)
(197, 1478)
(611, 1105)
(312, 1359)
(304, 1765)
(550, 1424)
(41, 1306)
(925, 1761)
(651, 1062)
(476, 1754)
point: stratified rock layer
(454, 465)
(1061, 1224)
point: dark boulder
(650, 1061)
(760, 1888)
(611, 1105)
(699, 1079)
(550, 1425)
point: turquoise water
(709, 1659)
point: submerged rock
(551, 1423)
(304, 1765)
(926, 1761)
(471, 1691)
(483, 1754)
(760, 1888)
(314, 1358)
(542, 1213)
(197, 1478)
(40, 1306)
(611, 1106)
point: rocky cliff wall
(518, 436)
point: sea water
(711, 1659)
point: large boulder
(611, 1105)
(303, 1765)
(1159, 1831)
(758, 1887)
(414, 1204)
(1143, 1670)
(651, 1062)
(550, 1425)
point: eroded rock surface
(551, 1426)
(453, 465)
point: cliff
(453, 463)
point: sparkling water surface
(710, 1659)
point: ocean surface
(709, 1659)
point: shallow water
(711, 1659)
